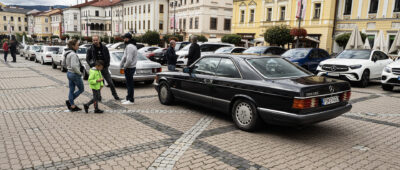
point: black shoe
(98, 111)
(117, 98)
(86, 107)
(76, 109)
(68, 104)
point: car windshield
(355, 54)
(118, 56)
(36, 48)
(255, 50)
(224, 50)
(296, 53)
(276, 68)
(53, 49)
(186, 48)
(81, 51)
(179, 46)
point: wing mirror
(187, 70)
(374, 59)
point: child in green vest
(96, 84)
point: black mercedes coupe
(256, 88)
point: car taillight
(305, 103)
(48, 56)
(345, 96)
(157, 70)
(150, 55)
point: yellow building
(13, 20)
(42, 23)
(371, 16)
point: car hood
(395, 64)
(347, 62)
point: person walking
(171, 56)
(96, 84)
(100, 52)
(74, 74)
(128, 63)
(5, 48)
(13, 50)
(194, 51)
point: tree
(278, 35)
(151, 38)
(54, 37)
(202, 38)
(232, 39)
(168, 37)
(137, 38)
(76, 37)
(344, 38)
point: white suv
(391, 76)
(355, 65)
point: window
(184, 24)
(269, 14)
(242, 16)
(161, 9)
(373, 6)
(46, 20)
(97, 13)
(191, 23)
(397, 6)
(131, 10)
(180, 23)
(26, 28)
(227, 68)
(317, 11)
(12, 18)
(213, 23)
(198, 1)
(347, 7)
(251, 19)
(19, 28)
(276, 67)
(4, 18)
(19, 19)
(161, 25)
(135, 9)
(206, 66)
(5, 28)
(47, 29)
(140, 9)
(196, 23)
(144, 9)
(148, 8)
(148, 24)
(144, 25)
(382, 56)
(140, 25)
(227, 24)
(323, 54)
(75, 28)
(283, 13)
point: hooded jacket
(95, 75)
(72, 62)
(129, 59)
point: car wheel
(31, 59)
(36, 61)
(62, 68)
(42, 61)
(245, 116)
(387, 87)
(164, 94)
(364, 79)
(85, 75)
(149, 82)
(53, 65)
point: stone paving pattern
(36, 131)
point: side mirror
(374, 59)
(187, 70)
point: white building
(210, 18)
(117, 20)
(71, 21)
(56, 20)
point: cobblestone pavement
(38, 133)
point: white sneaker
(123, 101)
(128, 103)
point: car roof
(243, 56)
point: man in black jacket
(100, 52)
(171, 56)
(13, 50)
(194, 51)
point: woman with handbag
(74, 74)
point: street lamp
(301, 13)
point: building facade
(117, 20)
(71, 21)
(56, 22)
(210, 18)
(13, 20)
(370, 16)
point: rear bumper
(292, 119)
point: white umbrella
(23, 39)
(396, 43)
(380, 43)
(367, 45)
(355, 41)
(66, 40)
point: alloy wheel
(243, 114)
(163, 93)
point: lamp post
(175, 3)
(301, 13)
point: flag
(173, 24)
(303, 12)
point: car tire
(62, 68)
(165, 95)
(245, 115)
(31, 59)
(387, 87)
(53, 65)
(149, 82)
(85, 75)
(364, 79)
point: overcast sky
(41, 2)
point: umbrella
(23, 40)
(380, 43)
(396, 43)
(367, 45)
(355, 41)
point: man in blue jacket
(171, 56)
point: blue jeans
(171, 67)
(5, 56)
(74, 80)
(130, 84)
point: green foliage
(278, 35)
(151, 38)
(201, 38)
(76, 37)
(54, 36)
(44, 38)
(232, 39)
(344, 38)
(66, 36)
(177, 37)
(105, 39)
(137, 38)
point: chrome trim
(322, 95)
(277, 111)
(191, 93)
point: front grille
(396, 71)
(394, 81)
(335, 68)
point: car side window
(227, 68)
(323, 54)
(375, 56)
(269, 51)
(382, 56)
(238, 50)
(206, 66)
(280, 51)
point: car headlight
(388, 69)
(355, 66)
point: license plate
(330, 100)
(144, 71)
(333, 74)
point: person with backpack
(74, 74)
(5, 48)
(96, 84)
(97, 51)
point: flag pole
(301, 13)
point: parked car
(255, 88)
(85, 45)
(229, 50)
(57, 57)
(22, 51)
(31, 52)
(264, 50)
(44, 54)
(355, 65)
(121, 45)
(391, 76)
(146, 51)
(180, 45)
(81, 52)
(308, 58)
(145, 69)
(159, 56)
(205, 48)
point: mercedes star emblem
(331, 89)
(333, 68)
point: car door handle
(208, 81)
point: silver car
(146, 70)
